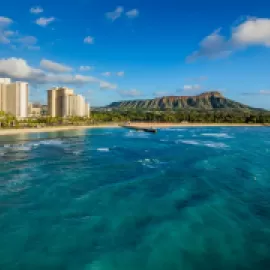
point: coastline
(4, 132)
(166, 125)
(11, 131)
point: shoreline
(4, 132)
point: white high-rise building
(5, 80)
(62, 102)
(14, 97)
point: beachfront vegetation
(191, 116)
(9, 121)
(117, 116)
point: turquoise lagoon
(111, 199)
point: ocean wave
(216, 145)
(28, 146)
(217, 135)
(51, 142)
(103, 150)
(137, 134)
(22, 148)
(17, 183)
(188, 142)
(77, 153)
(151, 163)
(202, 143)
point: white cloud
(197, 79)
(107, 86)
(54, 67)
(212, 46)
(253, 31)
(259, 93)
(265, 92)
(88, 40)
(161, 93)
(106, 74)
(193, 87)
(85, 68)
(9, 33)
(130, 93)
(114, 15)
(27, 40)
(120, 74)
(33, 48)
(36, 10)
(132, 13)
(3, 39)
(4, 35)
(12, 37)
(44, 21)
(18, 69)
(5, 21)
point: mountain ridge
(206, 100)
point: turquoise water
(111, 199)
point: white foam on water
(216, 145)
(103, 150)
(217, 135)
(151, 163)
(188, 142)
(51, 142)
(17, 183)
(202, 143)
(136, 134)
(22, 148)
(77, 153)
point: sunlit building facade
(62, 102)
(14, 97)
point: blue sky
(111, 50)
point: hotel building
(62, 102)
(14, 97)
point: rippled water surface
(111, 199)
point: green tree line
(99, 117)
(193, 116)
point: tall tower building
(62, 102)
(58, 101)
(14, 97)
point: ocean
(113, 199)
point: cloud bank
(252, 32)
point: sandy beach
(12, 131)
(4, 132)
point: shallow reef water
(112, 199)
